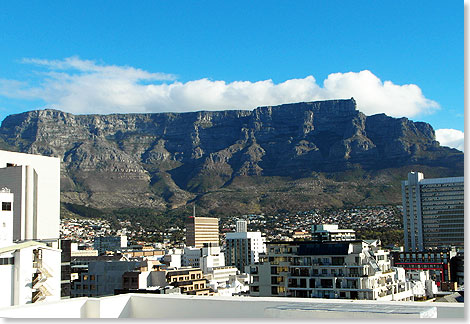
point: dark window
(326, 283)
(6, 206)
(337, 260)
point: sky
(402, 58)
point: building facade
(243, 249)
(345, 270)
(433, 212)
(200, 230)
(110, 243)
(436, 261)
(331, 232)
(35, 182)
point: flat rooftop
(194, 307)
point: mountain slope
(324, 152)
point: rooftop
(184, 306)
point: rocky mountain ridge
(164, 160)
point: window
(92, 277)
(6, 206)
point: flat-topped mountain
(164, 160)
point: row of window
(6, 261)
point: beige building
(200, 230)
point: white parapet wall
(193, 307)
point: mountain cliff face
(167, 159)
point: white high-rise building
(35, 182)
(6, 217)
(242, 226)
(30, 262)
(433, 212)
(29, 271)
(243, 249)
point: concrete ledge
(195, 307)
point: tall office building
(243, 248)
(433, 212)
(200, 230)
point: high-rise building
(243, 248)
(433, 212)
(200, 230)
(30, 261)
(29, 271)
(35, 182)
(242, 226)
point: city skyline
(402, 60)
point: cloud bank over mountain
(84, 86)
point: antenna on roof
(194, 210)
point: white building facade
(35, 182)
(243, 249)
(343, 270)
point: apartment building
(347, 270)
(30, 261)
(433, 212)
(188, 281)
(200, 230)
(331, 232)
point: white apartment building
(331, 232)
(35, 182)
(348, 270)
(243, 248)
(6, 217)
(433, 212)
(30, 271)
(206, 258)
(211, 257)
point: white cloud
(83, 86)
(451, 138)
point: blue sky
(404, 58)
